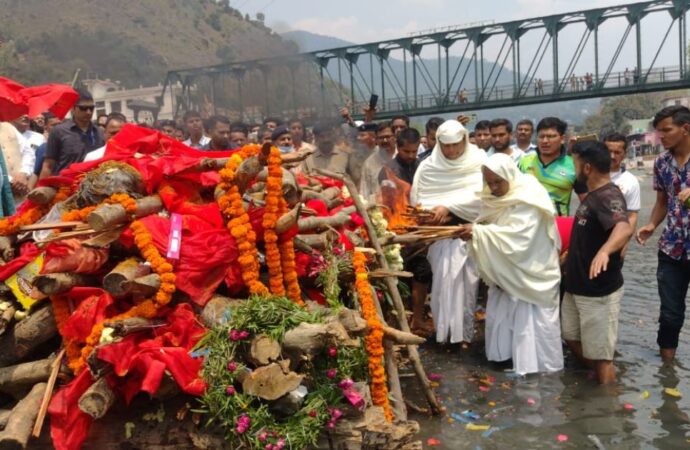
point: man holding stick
(447, 183)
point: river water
(568, 410)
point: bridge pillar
(553, 25)
(593, 19)
(514, 32)
(635, 14)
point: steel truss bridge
(454, 70)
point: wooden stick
(48, 393)
(391, 285)
(57, 283)
(19, 425)
(68, 235)
(104, 238)
(49, 226)
(97, 399)
(380, 273)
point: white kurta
(453, 290)
(528, 334)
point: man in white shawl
(447, 183)
(515, 244)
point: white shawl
(515, 242)
(450, 183)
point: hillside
(133, 42)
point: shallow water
(532, 412)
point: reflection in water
(531, 412)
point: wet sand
(532, 412)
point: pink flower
(331, 373)
(262, 436)
(234, 335)
(244, 334)
(332, 352)
(232, 366)
(330, 424)
(313, 413)
(269, 447)
(243, 423)
(346, 383)
(335, 413)
(280, 444)
(230, 390)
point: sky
(362, 21)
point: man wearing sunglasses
(70, 141)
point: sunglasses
(85, 107)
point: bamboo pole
(391, 285)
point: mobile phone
(373, 100)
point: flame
(395, 194)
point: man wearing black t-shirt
(593, 279)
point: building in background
(140, 105)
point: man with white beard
(447, 183)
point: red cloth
(91, 306)
(17, 100)
(208, 255)
(144, 361)
(27, 253)
(69, 426)
(565, 229)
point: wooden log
(21, 421)
(353, 322)
(108, 216)
(392, 287)
(104, 238)
(4, 417)
(7, 252)
(355, 238)
(42, 195)
(247, 171)
(295, 157)
(271, 382)
(263, 350)
(133, 325)
(317, 241)
(402, 337)
(144, 286)
(57, 283)
(379, 273)
(6, 318)
(302, 246)
(29, 373)
(127, 270)
(216, 310)
(27, 335)
(97, 399)
(323, 223)
(308, 339)
(288, 220)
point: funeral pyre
(224, 274)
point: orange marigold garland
(148, 308)
(287, 259)
(11, 225)
(239, 225)
(373, 340)
(62, 312)
(274, 193)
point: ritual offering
(242, 292)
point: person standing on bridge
(672, 186)
(447, 183)
(551, 165)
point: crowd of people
(547, 278)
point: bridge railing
(578, 87)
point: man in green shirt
(551, 166)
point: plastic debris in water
(471, 415)
(129, 427)
(484, 388)
(673, 392)
(562, 438)
(459, 418)
(431, 442)
(531, 401)
(595, 440)
(475, 427)
(628, 406)
(645, 395)
(434, 376)
(492, 404)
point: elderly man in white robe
(515, 244)
(447, 183)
